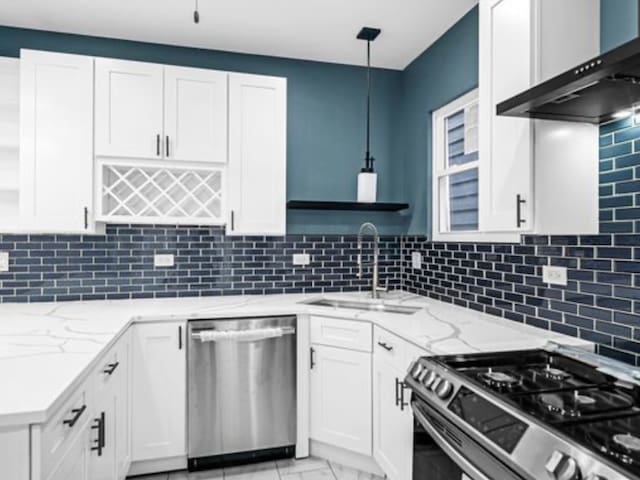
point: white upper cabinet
(257, 155)
(535, 176)
(128, 121)
(56, 142)
(195, 113)
(505, 69)
(150, 111)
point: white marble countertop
(46, 349)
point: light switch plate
(4, 261)
(163, 260)
(416, 260)
(554, 275)
(301, 259)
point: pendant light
(367, 178)
(196, 14)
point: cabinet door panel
(392, 426)
(128, 120)
(122, 411)
(56, 144)
(506, 68)
(75, 463)
(257, 155)
(340, 387)
(159, 392)
(195, 115)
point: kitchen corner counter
(46, 349)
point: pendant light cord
(368, 162)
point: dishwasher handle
(252, 335)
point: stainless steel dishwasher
(241, 391)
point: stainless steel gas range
(557, 414)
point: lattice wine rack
(146, 194)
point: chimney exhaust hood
(593, 92)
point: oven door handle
(470, 469)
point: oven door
(441, 451)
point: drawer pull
(77, 413)
(387, 347)
(111, 368)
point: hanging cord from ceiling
(368, 34)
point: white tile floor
(306, 469)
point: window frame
(440, 169)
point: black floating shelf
(325, 205)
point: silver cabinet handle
(166, 146)
(158, 144)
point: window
(456, 168)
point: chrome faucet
(375, 288)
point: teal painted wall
(618, 22)
(442, 73)
(326, 108)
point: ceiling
(322, 30)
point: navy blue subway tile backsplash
(119, 264)
(601, 302)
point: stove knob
(434, 385)
(444, 389)
(429, 378)
(562, 467)
(422, 375)
(416, 370)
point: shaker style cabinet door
(257, 155)
(56, 142)
(195, 115)
(75, 463)
(340, 392)
(128, 120)
(506, 148)
(392, 425)
(159, 391)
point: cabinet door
(195, 115)
(128, 120)
(340, 392)
(122, 411)
(158, 391)
(392, 425)
(506, 68)
(56, 141)
(75, 463)
(257, 155)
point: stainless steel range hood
(593, 92)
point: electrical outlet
(301, 259)
(4, 261)
(416, 260)
(163, 260)
(554, 275)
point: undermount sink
(370, 306)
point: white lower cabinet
(340, 392)
(159, 391)
(88, 437)
(75, 463)
(392, 415)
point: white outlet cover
(416, 260)
(4, 261)
(554, 275)
(302, 259)
(164, 260)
